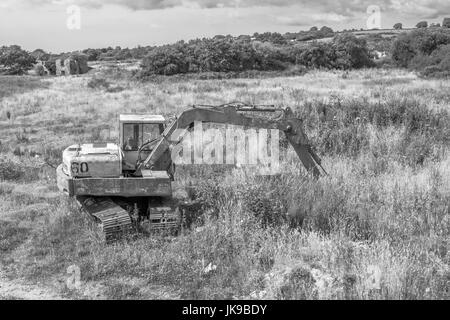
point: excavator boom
(236, 114)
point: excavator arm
(236, 114)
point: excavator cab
(136, 134)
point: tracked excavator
(131, 183)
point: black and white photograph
(224, 155)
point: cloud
(427, 9)
(293, 21)
(336, 9)
(308, 19)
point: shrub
(228, 54)
(103, 84)
(10, 170)
(351, 52)
(266, 202)
(81, 62)
(403, 50)
(92, 54)
(427, 41)
(274, 38)
(437, 64)
(317, 55)
(213, 55)
(421, 43)
(40, 54)
(14, 60)
(166, 60)
(326, 31)
(446, 23)
(422, 24)
(344, 52)
(98, 83)
(416, 148)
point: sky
(67, 25)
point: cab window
(150, 131)
(135, 135)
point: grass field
(377, 227)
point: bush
(14, 60)
(10, 170)
(403, 50)
(81, 62)
(422, 24)
(227, 54)
(446, 23)
(266, 202)
(351, 52)
(213, 55)
(317, 55)
(98, 83)
(437, 64)
(166, 60)
(421, 49)
(344, 52)
(40, 54)
(262, 197)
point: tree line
(226, 54)
(424, 49)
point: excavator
(131, 183)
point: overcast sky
(43, 23)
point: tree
(123, 54)
(398, 26)
(40, 54)
(14, 60)
(317, 55)
(167, 60)
(275, 37)
(422, 24)
(428, 40)
(313, 29)
(81, 62)
(446, 23)
(92, 54)
(403, 51)
(326, 30)
(351, 52)
(437, 64)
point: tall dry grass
(376, 228)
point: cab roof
(141, 118)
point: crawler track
(113, 219)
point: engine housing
(102, 160)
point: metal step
(164, 218)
